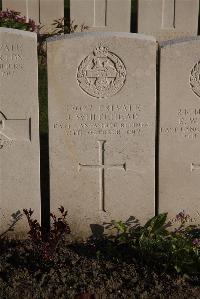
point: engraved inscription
(11, 59)
(101, 74)
(102, 120)
(13, 129)
(195, 79)
(101, 166)
(186, 124)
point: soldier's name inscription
(100, 119)
(186, 124)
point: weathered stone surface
(43, 12)
(102, 15)
(19, 127)
(179, 155)
(102, 127)
(50, 10)
(168, 19)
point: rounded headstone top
(102, 34)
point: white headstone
(168, 19)
(179, 149)
(43, 12)
(102, 126)
(50, 10)
(102, 15)
(19, 127)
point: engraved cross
(195, 166)
(13, 129)
(101, 166)
(168, 14)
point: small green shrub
(155, 245)
(63, 26)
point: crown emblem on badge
(101, 52)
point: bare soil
(79, 271)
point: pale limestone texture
(43, 12)
(168, 19)
(102, 15)
(102, 127)
(19, 127)
(50, 10)
(179, 142)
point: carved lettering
(11, 59)
(124, 119)
(186, 125)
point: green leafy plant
(122, 229)
(175, 249)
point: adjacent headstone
(102, 127)
(19, 127)
(43, 12)
(168, 19)
(179, 149)
(50, 10)
(102, 15)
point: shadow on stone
(97, 231)
(15, 217)
(44, 164)
(134, 15)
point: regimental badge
(101, 74)
(195, 79)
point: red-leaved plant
(46, 243)
(13, 19)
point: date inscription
(94, 119)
